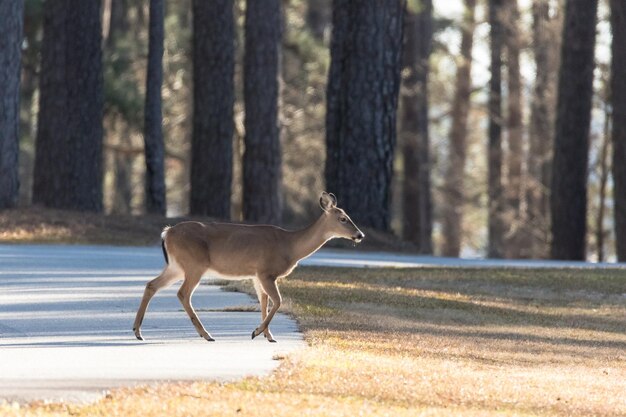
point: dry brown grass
(426, 342)
(38, 225)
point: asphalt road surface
(66, 317)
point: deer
(263, 253)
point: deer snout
(358, 237)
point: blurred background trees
(11, 23)
(153, 117)
(509, 127)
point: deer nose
(358, 237)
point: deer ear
(327, 201)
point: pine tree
(11, 23)
(213, 98)
(68, 160)
(153, 131)
(262, 177)
(362, 95)
(568, 204)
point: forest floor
(413, 342)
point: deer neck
(309, 240)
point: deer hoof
(209, 338)
(138, 335)
(254, 333)
(272, 340)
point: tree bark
(514, 242)
(416, 195)
(213, 97)
(454, 196)
(362, 95)
(68, 161)
(546, 53)
(618, 101)
(568, 203)
(11, 26)
(262, 177)
(153, 131)
(495, 222)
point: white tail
(235, 251)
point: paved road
(66, 314)
(346, 258)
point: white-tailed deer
(236, 251)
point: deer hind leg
(269, 286)
(170, 274)
(184, 295)
(263, 299)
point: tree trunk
(11, 23)
(29, 84)
(495, 222)
(454, 193)
(123, 174)
(571, 143)
(213, 96)
(262, 178)
(68, 161)
(153, 132)
(514, 242)
(318, 17)
(618, 101)
(604, 178)
(546, 52)
(362, 95)
(118, 22)
(417, 202)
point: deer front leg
(169, 275)
(270, 288)
(263, 299)
(184, 295)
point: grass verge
(438, 342)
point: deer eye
(343, 219)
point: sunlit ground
(422, 342)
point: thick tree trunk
(618, 100)
(262, 177)
(494, 152)
(571, 143)
(362, 96)
(417, 202)
(514, 242)
(454, 197)
(546, 30)
(11, 25)
(68, 162)
(213, 97)
(153, 131)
